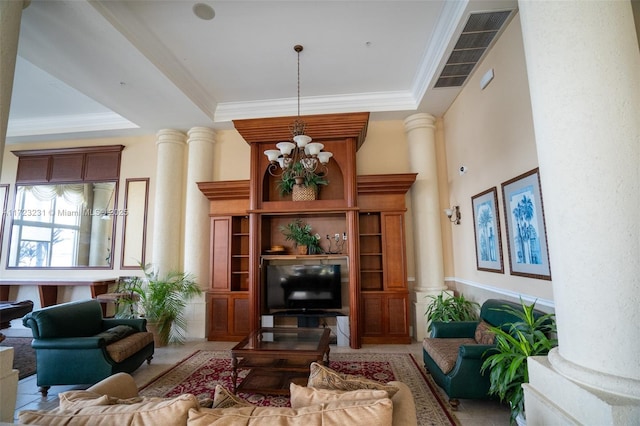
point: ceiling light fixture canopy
(302, 159)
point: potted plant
(507, 364)
(298, 176)
(162, 300)
(452, 308)
(300, 233)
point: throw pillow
(222, 398)
(484, 335)
(321, 377)
(116, 333)
(149, 411)
(302, 396)
(71, 400)
(338, 413)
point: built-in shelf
(304, 256)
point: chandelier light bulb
(285, 147)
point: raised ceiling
(107, 68)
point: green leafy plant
(507, 364)
(162, 300)
(288, 179)
(446, 308)
(300, 233)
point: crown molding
(68, 124)
(334, 104)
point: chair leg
(149, 358)
(454, 403)
(44, 390)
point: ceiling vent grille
(477, 35)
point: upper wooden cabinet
(341, 134)
(69, 165)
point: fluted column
(10, 16)
(429, 263)
(583, 65)
(167, 223)
(196, 225)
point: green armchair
(75, 345)
(455, 351)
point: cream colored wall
(385, 151)
(138, 161)
(490, 132)
(231, 156)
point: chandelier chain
(298, 50)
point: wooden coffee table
(277, 357)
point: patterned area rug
(24, 356)
(200, 372)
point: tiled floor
(470, 412)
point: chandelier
(301, 159)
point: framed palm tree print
(486, 224)
(526, 232)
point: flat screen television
(303, 287)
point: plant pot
(158, 339)
(302, 249)
(303, 193)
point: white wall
(490, 132)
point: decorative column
(10, 16)
(167, 223)
(583, 65)
(196, 225)
(429, 263)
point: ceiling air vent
(477, 35)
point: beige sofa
(329, 399)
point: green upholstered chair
(455, 351)
(75, 345)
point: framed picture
(486, 224)
(526, 233)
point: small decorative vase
(302, 249)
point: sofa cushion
(484, 335)
(321, 377)
(338, 413)
(107, 412)
(116, 333)
(444, 352)
(71, 400)
(124, 348)
(222, 398)
(302, 396)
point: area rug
(201, 371)
(24, 356)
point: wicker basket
(303, 193)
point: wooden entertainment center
(369, 210)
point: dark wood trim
(3, 218)
(225, 190)
(77, 150)
(69, 165)
(144, 223)
(319, 127)
(386, 184)
(48, 289)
